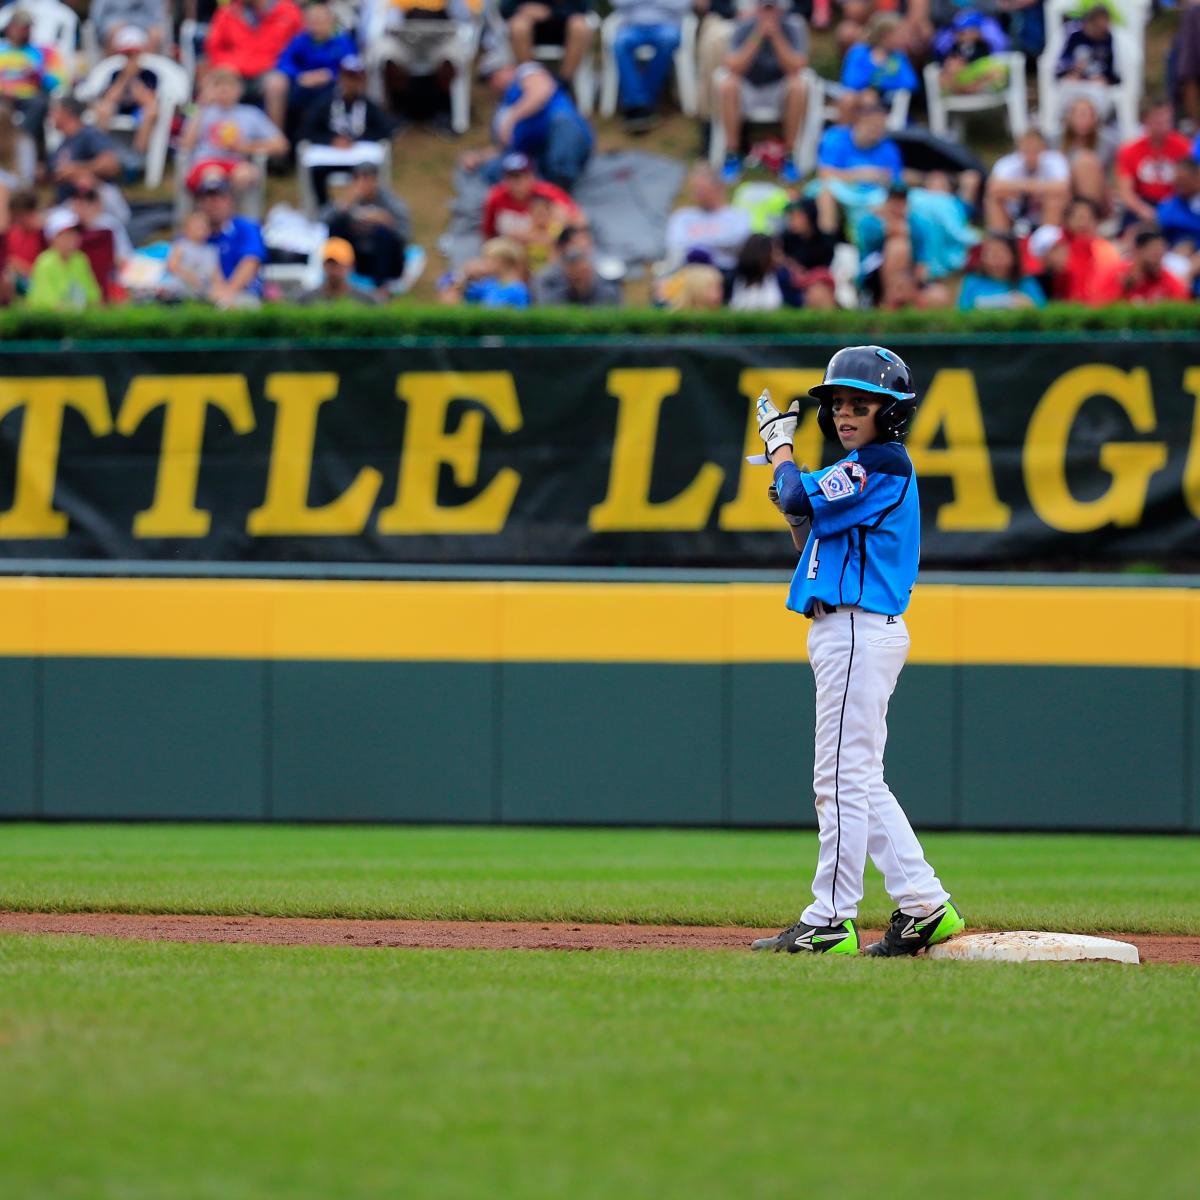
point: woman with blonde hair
(695, 288)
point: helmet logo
(887, 356)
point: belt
(820, 609)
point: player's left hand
(773, 494)
(775, 428)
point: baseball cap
(353, 64)
(130, 37)
(515, 164)
(1044, 239)
(339, 250)
(213, 185)
(58, 221)
(968, 18)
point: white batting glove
(775, 428)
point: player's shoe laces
(812, 939)
(910, 935)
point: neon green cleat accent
(949, 923)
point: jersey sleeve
(857, 491)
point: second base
(1031, 946)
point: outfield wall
(1023, 707)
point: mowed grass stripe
(1084, 883)
(248, 1073)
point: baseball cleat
(910, 935)
(812, 939)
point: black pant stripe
(837, 781)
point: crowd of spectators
(1075, 208)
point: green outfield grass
(1070, 882)
(173, 1072)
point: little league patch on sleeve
(836, 483)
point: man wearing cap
(62, 278)
(376, 223)
(572, 279)
(506, 209)
(308, 67)
(337, 256)
(239, 246)
(131, 91)
(149, 16)
(346, 119)
(768, 54)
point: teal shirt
(981, 291)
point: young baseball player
(858, 564)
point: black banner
(595, 453)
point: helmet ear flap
(825, 422)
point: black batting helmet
(869, 369)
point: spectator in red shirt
(23, 239)
(1090, 258)
(1143, 279)
(248, 36)
(1146, 166)
(506, 210)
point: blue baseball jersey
(865, 542)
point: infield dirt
(453, 935)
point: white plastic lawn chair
(944, 106)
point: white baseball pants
(856, 657)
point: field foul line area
(454, 935)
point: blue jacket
(865, 542)
(860, 71)
(302, 54)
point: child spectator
(1143, 279)
(969, 53)
(1179, 214)
(1090, 258)
(23, 240)
(697, 287)
(494, 280)
(755, 284)
(1088, 55)
(1146, 165)
(880, 63)
(28, 74)
(998, 280)
(545, 225)
(307, 68)
(656, 26)
(224, 134)
(376, 223)
(193, 264)
(62, 277)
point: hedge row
(275, 321)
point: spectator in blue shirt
(494, 280)
(239, 244)
(1179, 216)
(855, 164)
(998, 281)
(308, 66)
(536, 117)
(880, 63)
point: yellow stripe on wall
(573, 622)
